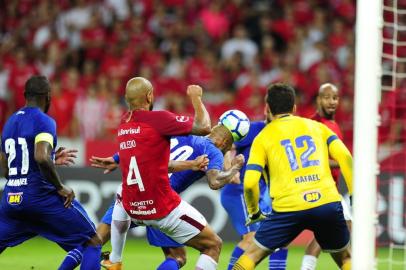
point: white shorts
(181, 224)
(346, 210)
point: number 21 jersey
(22, 130)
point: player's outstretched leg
(209, 244)
(91, 254)
(119, 228)
(87, 255)
(342, 259)
(175, 258)
(312, 252)
(72, 259)
(240, 248)
(103, 230)
(277, 259)
(251, 257)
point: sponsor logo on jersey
(17, 182)
(142, 203)
(14, 198)
(128, 131)
(182, 119)
(143, 212)
(312, 196)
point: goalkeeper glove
(258, 216)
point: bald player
(183, 149)
(147, 197)
(327, 104)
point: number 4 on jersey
(133, 170)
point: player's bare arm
(42, 155)
(227, 165)
(109, 164)
(217, 179)
(198, 164)
(65, 157)
(201, 124)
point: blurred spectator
(89, 111)
(234, 49)
(214, 20)
(21, 70)
(62, 108)
(240, 43)
(93, 37)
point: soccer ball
(237, 123)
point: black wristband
(256, 215)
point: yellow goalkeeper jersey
(293, 152)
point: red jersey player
(327, 103)
(144, 148)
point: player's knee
(122, 226)
(96, 240)
(181, 259)
(217, 243)
(178, 254)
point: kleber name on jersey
(128, 144)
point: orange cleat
(108, 265)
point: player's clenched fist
(194, 91)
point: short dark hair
(36, 86)
(281, 98)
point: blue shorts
(159, 239)
(327, 223)
(47, 217)
(108, 216)
(232, 199)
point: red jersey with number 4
(331, 124)
(144, 143)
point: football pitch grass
(40, 254)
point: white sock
(206, 262)
(309, 262)
(118, 236)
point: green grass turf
(39, 254)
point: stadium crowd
(234, 49)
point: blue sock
(237, 252)
(72, 259)
(277, 260)
(91, 258)
(169, 264)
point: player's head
(280, 99)
(221, 137)
(139, 94)
(37, 92)
(327, 100)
